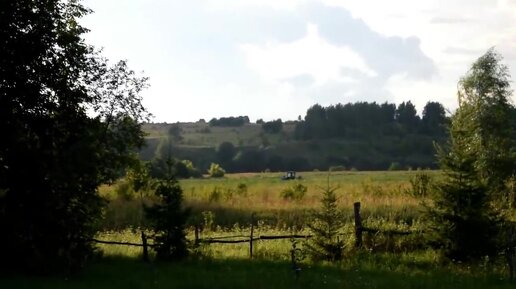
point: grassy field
(384, 262)
(231, 200)
(202, 134)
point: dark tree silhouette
(70, 122)
(434, 118)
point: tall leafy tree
(477, 163)
(70, 122)
(484, 100)
(406, 114)
(434, 118)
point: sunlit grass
(382, 194)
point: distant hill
(256, 150)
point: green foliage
(193, 172)
(70, 122)
(241, 189)
(215, 195)
(230, 121)
(180, 169)
(226, 152)
(406, 115)
(274, 126)
(124, 189)
(477, 163)
(325, 227)
(216, 171)
(434, 119)
(485, 114)
(174, 132)
(420, 185)
(208, 218)
(168, 219)
(295, 192)
(349, 146)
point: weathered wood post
(251, 237)
(196, 236)
(145, 248)
(358, 225)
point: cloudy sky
(275, 58)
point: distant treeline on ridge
(361, 119)
(362, 135)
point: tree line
(362, 119)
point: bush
(241, 189)
(124, 190)
(216, 171)
(420, 185)
(296, 192)
(192, 171)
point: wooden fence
(359, 229)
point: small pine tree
(325, 227)
(477, 163)
(462, 221)
(168, 219)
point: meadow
(230, 201)
(223, 208)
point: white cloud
(310, 55)
(239, 4)
(211, 58)
(420, 92)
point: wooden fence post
(145, 249)
(251, 237)
(358, 225)
(196, 234)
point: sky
(274, 59)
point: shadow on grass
(122, 272)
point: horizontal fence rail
(358, 229)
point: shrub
(192, 171)
(208, 218)
(216, 171)
(241, 189)
(124, 190)
(296, 192)
(420, 185)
